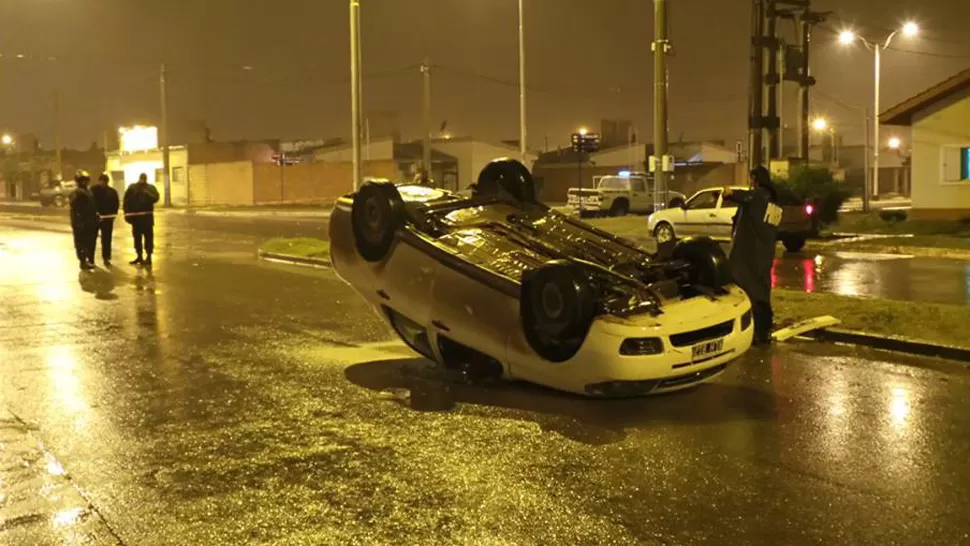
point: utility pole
(772, 80)
(866, 194)
(57, 133)
(660, 47)
(167, 183)
(756, 91)
(875, 123)
(355, 90)
(781, 102)
(522, 118)
(426, 160)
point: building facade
(939, 120)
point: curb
(895, 344)
(295, 260)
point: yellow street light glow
(820, 124)
(846, 37)
(910, 29)
(895, 143)
(583, 131)
(7, 140)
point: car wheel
(376, 215)
(708, 263)
(621, 207)
(664, 233)
(793, 243)
(506, 178)
(59, 201)
(557, 308)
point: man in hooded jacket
(106, 199)
(753, 253)
(139, 206)
(84, 221)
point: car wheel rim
(375, 220)
(664, 234)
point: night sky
(280, 69)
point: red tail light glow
(809, 210)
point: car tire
(620, 207)
(664, 233)
(708, 263)
(557, 307)
(793, 243)
(506, 179)
(59, 201)
(376, 215)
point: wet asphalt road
(222, 401)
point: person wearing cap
(84, 221)
(139, 205)
(753, 252)
(106, 200)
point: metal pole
(426, 71)
(166, 159)
(772, 81)
(360, 98)
(781, 103)
(660, 46)
(867, 187)
(875, 125)
(355, 90)
(756, 91)
(523, 146)
(803, 91)
(57, 133)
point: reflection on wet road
(220, 401)
(876, 276)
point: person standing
(106, 200)
(84, 221)
(139, 205)
(753, 253)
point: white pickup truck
(619, 195)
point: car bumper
(600, 370)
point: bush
(817, 186)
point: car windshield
(614, 183)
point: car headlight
(642, 346)
(746, 321)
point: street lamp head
(846, 37)
(895, 143)
(820, 124)
(910, 29)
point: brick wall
(316, 182)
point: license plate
(707, 349)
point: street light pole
(355, 90)
(875, 120)
(660, 46)
(166, 158)
(522, 118)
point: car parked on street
(500, 284)
(57, 193)
(619, 195)
(708, 213)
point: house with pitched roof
(939, 119)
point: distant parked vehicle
(619, 195)
(708, 213)
(57, 193)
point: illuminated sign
(138, 138)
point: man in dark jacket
(106, 199)
(84, 221)
(139, 204)
(753, 252)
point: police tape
(126, 215)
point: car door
(722, 224)
(640, 199)
(700, 213)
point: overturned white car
(499, 283)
